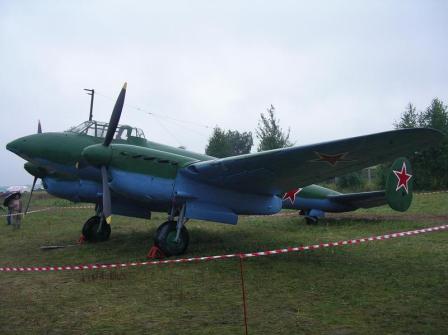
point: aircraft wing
(361, 200)
(277, 171)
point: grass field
(389, 287)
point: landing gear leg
(172, 237)
(181, 221)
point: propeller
(115, 117)
(39, 131)
(113, 124)
(100, 155)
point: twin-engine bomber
(114, 167)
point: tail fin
(399, 185)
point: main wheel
(311, 220)
(91, 233)
(165, 239)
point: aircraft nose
(23, 146)
(15, 146)
(50, 149)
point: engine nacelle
(154, 191)
(73, 190)
(90, 191)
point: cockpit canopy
(99, 129)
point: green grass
(389, 287)
(422, 203)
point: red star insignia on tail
(403, 178)
(331, 159)
(291, 195)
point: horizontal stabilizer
(361, 200)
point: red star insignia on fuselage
(331, 159)
(403, 178)
(291, 195)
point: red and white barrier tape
(49, 209)
(29, 212)
(210, 258)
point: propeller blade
(107, 206)
(39, 128)
(115, 117)
(31, 194)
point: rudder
(399, 185)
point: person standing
(15, 206)
(6, 203)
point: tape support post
(228, 256)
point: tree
(435, 116)
(270, 134)
(409, 118)
(351, 181)
(228, 143)
(431, 165)
(240, 143)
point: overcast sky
(332, 69)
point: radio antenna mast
(90, 92)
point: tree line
(228, 143)
(430, 166)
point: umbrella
(9, 197)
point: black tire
(311, 220)
(165, 239)
(91, 233)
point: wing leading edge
(277, 171)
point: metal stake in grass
(243, 290)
